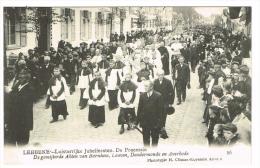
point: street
(183, 127)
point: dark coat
(21, 111)
(46, 73)
(185, 52)
(150, 110)
(194, 54)
(174, 62)
(166, 89)
(104, 64)
(165, 59)
(143, 73)
(183, 73)
(70, 66)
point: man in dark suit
(46, 74)
(185, 52)
(149, 114)
(20, 118)
(165, 87)
(182, 78)
(70, 66)
(194, 58)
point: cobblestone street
(183, 127)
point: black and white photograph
(145, 76)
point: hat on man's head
(75, 53)
(235, 62)
(104, 52)
(244, 69)
(230, 127)
(88, 56)
(217, 90)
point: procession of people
(140, 75)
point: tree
(140, 13)
(38, 17)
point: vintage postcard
(129, 84)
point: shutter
(23, 35)
(82, 24)
(17, 32)
(73, 25)
(96, 24)
(63, 24)
(90, 25)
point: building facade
(75, 25)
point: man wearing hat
(230, 134)
(214, 110)
(234, 67)
(236, 109)
(244, 84)
(225, 68)
(209, 83)
(219, 74)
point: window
(109, 20)
(85, 25)
(99, 25)
(73, 25)
(68, 24)
(15, 29)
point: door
(45, 29)
(121, 25)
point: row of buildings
(26, 28)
